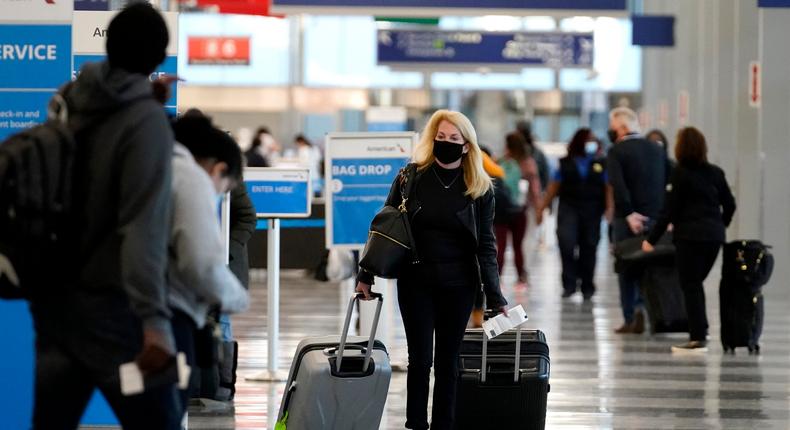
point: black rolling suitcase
(492, 392)
(746, 267)
(664, 300)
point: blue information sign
(279, 193)
(420, 47)
(360, 169)
(35, 56)
(21, 110)
(168, 67)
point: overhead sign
(479, 48)
(243, 7)
(773, 3)
(653, 30)
(755, 85)
(279, 192)
(225, 51)
(360, 169)
(90, 37)
(432, 8)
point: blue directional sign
(414, 7)
(420, 47)
(360, 170)
(279, 193)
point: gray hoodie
(122, 187)
(197, 274)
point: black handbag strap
(408, 175)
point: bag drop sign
(360, 169)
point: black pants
(184, 329)
(578, 229)
(65, 385)
(694, 260)
(435, 298)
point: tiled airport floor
(599, 380)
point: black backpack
(36, 169)
(748, 262)
(504, 207)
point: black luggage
(664, 300)
(502, 395)
(746, 267)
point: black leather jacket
(478, 218)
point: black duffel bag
(629, 255)
(390, 246)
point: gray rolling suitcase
(337, 382)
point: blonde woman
(451, 209)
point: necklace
(446, 187)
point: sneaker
(691, 346)
(566, 294)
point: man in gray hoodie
(113, 309)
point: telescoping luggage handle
(343, 337)
(516, 363)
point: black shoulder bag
(390, 246)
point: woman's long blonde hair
(477, 181)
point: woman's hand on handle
(503, 310)
(364, 289)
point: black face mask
(612, 134)
(447, 152)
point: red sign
(243, 7)
(224, 51)
(755, 84)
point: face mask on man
(612, 135)
(591, 147)
(447, 152)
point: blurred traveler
(637, 171)
(206, 163)
(256, 155)
(517, 165)
(309, 155)
(657, 136)
(700, 205)
(544, 171)
(116, 310)
(580, 182)
(451, 207)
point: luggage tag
(133, 381)
(501, 323)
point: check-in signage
(225, 51)
(279, 193)
(360, 169)
(243, 7)
(90, 37)
(411, 8)
(473, 48)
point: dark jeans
(65, 384)
(578, 229)
(184, 329)
(435, 298)
(630, 298)
(517, 227)
(694, 260)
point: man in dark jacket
(242, 226)
(113, 310)
(637, 174)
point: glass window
(617, 65)
(341, 52)
(269, 48)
